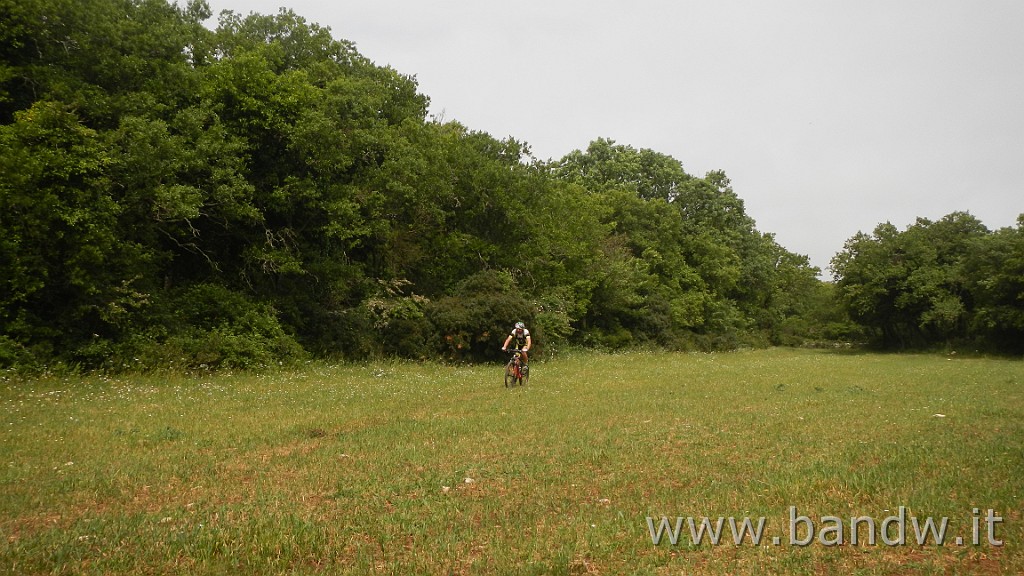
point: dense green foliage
(175, 196)
(947, 283)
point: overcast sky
(829, 116)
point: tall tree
(994, 277)
(911, 286)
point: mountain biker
(523, 341)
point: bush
(399, 319)
(201, 326)
(473, 323)
(15, 356)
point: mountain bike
(515, 371)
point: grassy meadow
(411, 468)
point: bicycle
(515, 371)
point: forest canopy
(173, 196)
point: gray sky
(829, 116)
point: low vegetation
(424, 468)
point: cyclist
(523, 342)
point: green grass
(401, 468)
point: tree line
(950, 283)
(177, 197)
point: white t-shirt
(526, 334)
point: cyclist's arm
(507, 340)
(529, 344)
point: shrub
(201, 326)
(474, 321)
